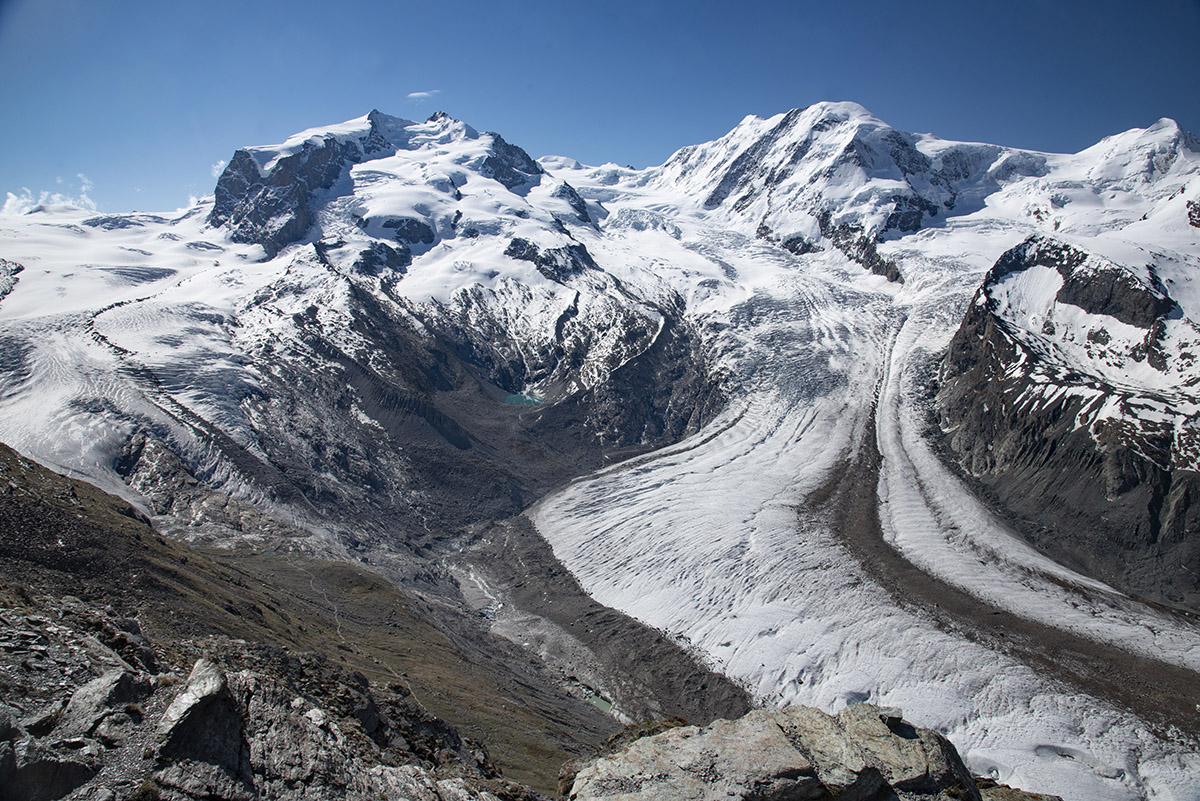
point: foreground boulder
(863, 753)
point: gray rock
(509, 164)
(724, 759)
(43, 721)
(94, 793)
(378, 257)
(113, 222)
(914, 760)
(188, 508)
(993, 791)
(8, 276)
(863, 753)
(557, 264)
(10, 728)
(840, 762)
(408, 230)
(31, 772)
(100, 699)
(246, 735)
(203, 722)
(8, 763)
(851, 240)
(567, 192)
(1094, 285)
(272, 209)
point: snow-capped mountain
(720, 379)
(1070, 389)
(335, 382)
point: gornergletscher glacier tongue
(853, 414)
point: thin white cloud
(18, 204)
(218, 168)
(418, 97)
(85, 187)
(25, 200)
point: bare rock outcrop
(1068, 451)
(863, 753)
(80, 720)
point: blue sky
(132, 103)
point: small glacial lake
(524, 400)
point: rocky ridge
(9, 272)
(1043, 405)
(258, 723)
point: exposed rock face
(245, 735)
(567, 192)
(557, 264)
(865, 752)
(74, 700)
(851, 240)
(1097, 287)
(8, 276)
(664, 395)
(509, 164)
(183, 505)
(117, 222)
(202, 724)
(272, 210)
(91, 708)
(409, 230)
(1092, 476)
(379, 257)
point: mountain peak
(844, 109)
(1141, 156)
(1164, 124)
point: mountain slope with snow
(1070, 390)
(721, 380)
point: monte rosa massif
(819, 414)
